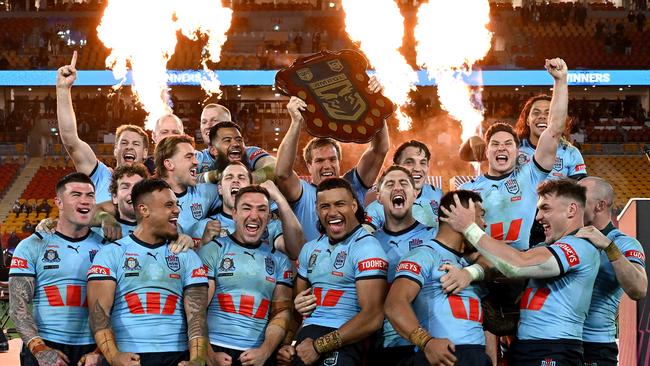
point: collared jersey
(568, 160)
(600, 325)
(245, 278)
(332, 270)
(456, 317)
(101, 177)
(305, 207)
(556, 308)
(148, 314)
(251, 156)
(59, 265)
(425, 208)
(397, 245)
(509, 202)
(195, 205)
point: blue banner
(267, 77)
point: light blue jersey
(397, 245)
(332, 269)
(556, 308)
(245, 278)
(600, 325)
(568, 160)
(59, 265)
(425, 208)
(305, 207)
(101, 177)
(207, 162)
(509, 202)
(271, 234)
(195, 205)
(148, 314)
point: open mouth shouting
(327, 174)
(83, 210)
(234, 154)
(193, 172)
(336, 225)
(398, 200)
(234, 190)
(174, 222)
(502, 158)
(129, 157)
(252, 228)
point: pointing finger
(73, 63)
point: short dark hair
(501, 127)
(126, 170)
(253, 188)
(166, 148)
(318, 142)
(412, 143)
(250, 175)
(74, 177)
(564, 187)
(223, 124)
(145, 187)
(393, 168)
(463, 195)
(333, 183)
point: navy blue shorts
(235, 353)
(74, 352)
(466, 354)
(600, 354)
(396, 356)
(160, 358)
(556, 352)
(348, 355)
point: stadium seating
(629, 175)
(8, 173)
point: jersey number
(331, 297)
(152, 305)
(496, 230)
(72, 296)
(459, 311)
(246, 304)
(536, 302)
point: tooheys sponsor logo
(200, 272)
(18, 263)
(579, 167)
(569, 253)
(287, 275)
(631, 254)
(372, 264)
(197, 242)
(409, 266)
(255, 154)
(99, 270)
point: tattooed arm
(21, 294)
(195, 301)
(101, 294)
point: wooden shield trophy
(334, 86)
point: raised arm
(21, 294)
(292, 239)
(82, 155)
(549, 139)
(195, 301)
(264, 169)
(473, 149)
(286, 178)
(373, 158)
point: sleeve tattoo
(99, 318)
(21, 294)
(195, 301)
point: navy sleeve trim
(302, 277)
(103, 278)
(22, 274)
(408, 278)
(40, 236)
(375, 277)
(578, 176)
(94, 169)
(637, 261)
(557, 258)
(195, 285)
(356, 172)
(539, 166)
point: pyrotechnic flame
(380, 37)
(451, 36)
(142, 35)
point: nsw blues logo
(434, 206)
(512, 186)
(197, 210)
(173, 262)
(559, 164)
(91, 254)
(269, 265)
(414, 243)
(340, 260)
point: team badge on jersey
(197, 210)
(522, 159)
(270, 265)
(173, 262)
(227, 265)
(512, 186)
(91, 254)
(548, 362)
(340, 259)
(558, 163)
(51, 256)
(414, 243)
(132, 264)
(434, 206)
